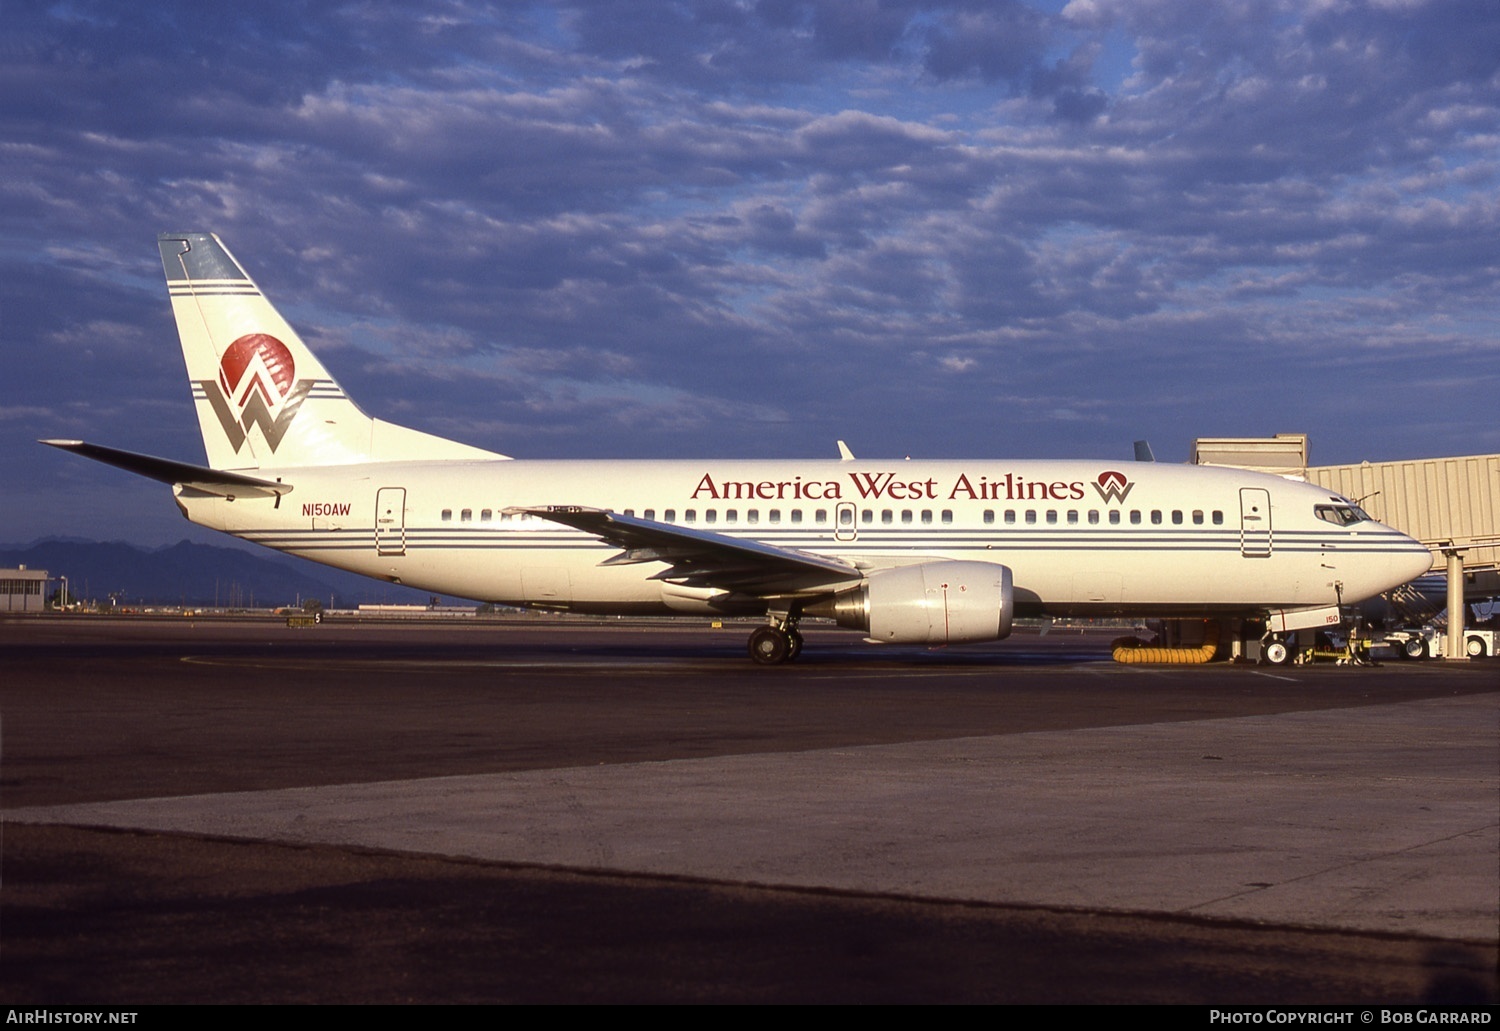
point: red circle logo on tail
(273, 372)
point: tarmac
(1346, 820)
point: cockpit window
(1341, 514)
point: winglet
(845, 455)
(1143, 451)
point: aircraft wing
(702, 558)
(209, 481)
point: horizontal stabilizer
(209, 481)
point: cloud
(752, 228)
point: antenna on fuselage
(845, 455)
(1143, 451)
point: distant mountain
(197, 574)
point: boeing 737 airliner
(909, 551)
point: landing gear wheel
(795, 639)
(1416, 648)
(770, 645)
(1276, 653)
(1475, 647)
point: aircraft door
(1255, 522)
(845, 526)
(390, 521)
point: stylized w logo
(256, 412)
(1113, 486)
(256, 374)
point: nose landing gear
(1275, 652)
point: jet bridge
(1450, 504)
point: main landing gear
(777, 643)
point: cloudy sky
(751, 227)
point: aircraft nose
(1411, 561)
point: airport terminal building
(23, 590)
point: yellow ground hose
(1134, 651)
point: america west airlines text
(889, 486)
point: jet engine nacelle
(931, 603)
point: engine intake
(930, 603)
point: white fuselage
(1080, 537)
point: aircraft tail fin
(263, 398)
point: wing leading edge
(702, 558)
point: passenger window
(846, 516)
(650, 513)
(1176, 517)
(710, 515)
(1114, 517)
(1072, 516)
(466, 516)
(989, 516)
(1135, 517)
(1218, 518)
(1093, 517)
(867, 515)
(1051, 515)
(906, 515)
(752, 516)
(947, 515)
(886, 516)
(1156, 517)
(1030, 516)
(690, 515)
(796, 516)
(926, 516)
(773, 516)
(820, 516)
(447, 515)
(1198, 517)
(731, 515)
(484, 515)
(669, 516)
(1010, 515)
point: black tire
(1475, 647)
(769, 646)
(1415, 648)
(1277, 653)
(795, 640)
